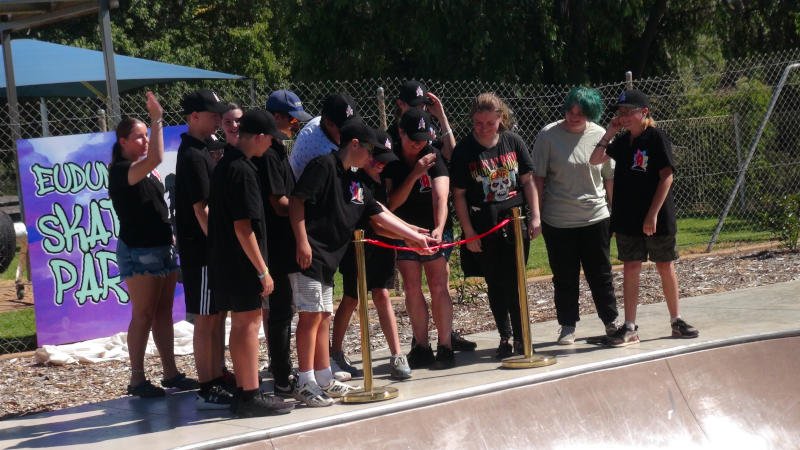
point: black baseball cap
(203, 100)
(339, 108)
(416, 123)
(286, 101)
(632, 98)
(259, 121)
(383, 154)
(357, 129)
(414, 93)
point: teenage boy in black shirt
(193, 170)
(324, 209)
(238, 271)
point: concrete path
(477, 385)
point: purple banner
(72, 235)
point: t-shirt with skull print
(490, 175)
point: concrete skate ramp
(737, 396)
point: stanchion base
(376, 394)
(523, 362)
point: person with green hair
(575, 195)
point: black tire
(8, 241)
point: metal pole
(253, 94)
(529, 359)
(629, 80)
(368, 393)
(382, 108)
(102, 124)
(112, 90)
(753, 145)
(44, 117)
(13, 108)
(737, 136)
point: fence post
(44, 117)
(753, 145)
(381, 98)
(101, 120)
(629, 80)
(253, 93)
(738, 142)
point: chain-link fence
(711, 114)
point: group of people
(261, 230)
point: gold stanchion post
(368, 393)
(529, 359)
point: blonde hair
(489, 101)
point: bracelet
(160, 121)
(602, 144)
(263, 274)
(446, 133)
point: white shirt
(311, 142)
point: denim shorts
(407, 255)
(157, 261)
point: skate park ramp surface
(737, 396)
(736, 386)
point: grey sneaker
(611, 328)
(566, 336)
(399, 368)
(623, 336)
(312, 395)
(344, 364)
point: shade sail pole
(112, 89)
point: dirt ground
(8, 296)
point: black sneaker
(421, 356)
(217, 397)
(504, 350)
(519, 349)
(286, 391)
(460, 344)
(624, 336)
(145, 389)
(445, 358)
(180, 383)
(262, 405)
(681, 329)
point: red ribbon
(440, 246)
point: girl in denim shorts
(145, 252)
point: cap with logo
(414, 93)
(416, 123)
(259, 121)
(288, 102)
(383, 154)
(203, 100)
(358, 129)
(632, 98)
(339, 108)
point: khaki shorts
(310, 295)
(642, 248)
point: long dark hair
(124, 129)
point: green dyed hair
(588, 100)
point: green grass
(11, 272)
(17, 324)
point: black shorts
(196, 292)
(224, 301)
(380, 264)
(642, 248)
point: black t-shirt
(277, 179)
(491, 175)
(235, 195)
(348, 263)
(418, 207)
(140, 208)
(335, 202)
(636, 178)
(193, 170)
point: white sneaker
(337, 389)
(338, 373)
(312, 395)
(566, 336)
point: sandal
(145, 389)
(181, 382)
